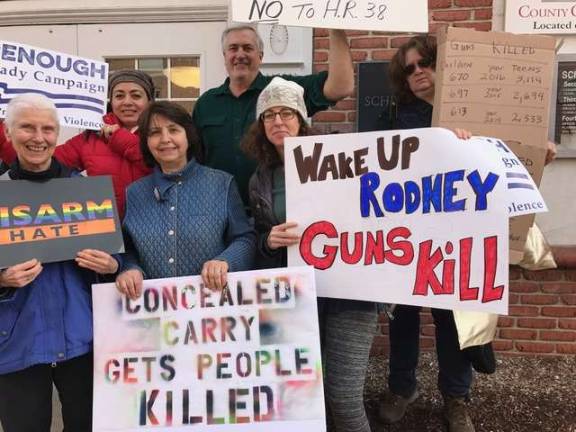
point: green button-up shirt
(222, 119)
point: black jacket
(260, 193)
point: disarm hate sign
(183, 357)
(54, 220)
(379, 15)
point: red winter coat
(118, 157)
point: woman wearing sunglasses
(413, 73)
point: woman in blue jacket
(184, 218)
(45, 309)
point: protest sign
(412, 217)
(51, 221)
(246, 358)
(498, 84)
(378, 15)
(77, 86)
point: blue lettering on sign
(438, 193)
(48, 60)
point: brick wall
(542, 316)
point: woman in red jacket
(115, 150)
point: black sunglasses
(422, 63)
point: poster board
(377, 15)
(182, 357)
(52, 221)
(498, 84)
(77, 86)
(373, 207)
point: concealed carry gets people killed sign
(52, 221)
(412, 217)
(77, 86)
(183, 357)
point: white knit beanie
(282, 93)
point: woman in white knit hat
(347, 326)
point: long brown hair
(426, 47)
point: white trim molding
(50, 12)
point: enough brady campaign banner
(77, 86)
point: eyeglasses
(285, 115)
(422, 63)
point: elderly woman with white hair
(347, 326)
(45, 309)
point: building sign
(376, 103)
(539, 16)
(566, 100)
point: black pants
(455, 370)
(26, 396)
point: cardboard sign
(498, 84)
(412, 217)
(77, 86)
(540, 16)
(182, 357)
(378, 15)
(54, 220)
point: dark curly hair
(257, 146)
(178, 115)
(426, 47)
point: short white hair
(26, 101)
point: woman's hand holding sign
(98, 261)
(129, 283)
(20, 275)
(279, 236)
(214, 274)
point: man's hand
(551, 152)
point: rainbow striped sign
(54, 220)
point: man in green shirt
(223, 114)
